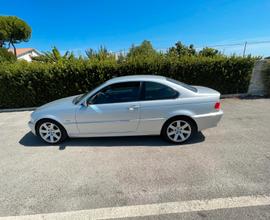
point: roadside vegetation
(13, 30)
(54, 75)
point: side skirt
(116, 134)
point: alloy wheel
(50, 132)
(179, 131)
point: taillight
(217, 105)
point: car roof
(137, 78)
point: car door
(114, 109)
(157, 101)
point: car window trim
(139, 95)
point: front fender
(52, 117)
(70, 126)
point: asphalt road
(231, 160)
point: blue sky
(81, 24)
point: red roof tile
(21, 50)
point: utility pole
(245, 46)
(223, 51)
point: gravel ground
(230, 160)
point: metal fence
(255, 48)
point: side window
(119, 92)
(157, 91)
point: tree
(182, 50)
(13, 30)
(144, 50)
(101, 54)
(54, 56)
(209, 52)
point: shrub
(227, 75)
(25, 84)
(5, 55)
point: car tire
(179, 130)
(51, 131)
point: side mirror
(91, 101)
(85, 104)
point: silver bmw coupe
(130, 105)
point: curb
(17, 109)
(236, 95)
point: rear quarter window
(158, 91)
(186, 86)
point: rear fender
(181, 113)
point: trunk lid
(205, 91)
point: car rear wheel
(51, 131)
(179, 130)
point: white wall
(28, 56)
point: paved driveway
(230, 161)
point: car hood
(64, 102)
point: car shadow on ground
(30, 140)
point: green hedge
(25, 84)
(6, 55)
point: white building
(26, 53)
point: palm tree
(54, 56)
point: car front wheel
(179, 130)
(51, 131)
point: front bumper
(208, 120)
(32, 127)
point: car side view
(128, 106)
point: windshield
(78, 98)
(186, 86)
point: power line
(237, 44)
(244, 45)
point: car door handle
(133, 107)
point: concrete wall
(256, 85)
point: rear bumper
(32, 127)
(208, 120)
